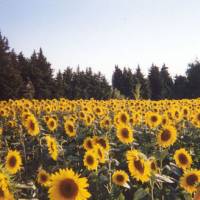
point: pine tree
(193, 77)
(180, 86)
(143, 82)
(167, 83)
(155, 82)
(10, 78)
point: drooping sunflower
(43, 178)
(67, 185)
(90, 160)
(13, 161)
(120, 178)
(125, 134)
(69, 128)
(190, 180)
(167, 136)
(101, 153)
(138, 166)
(52, 147)
(32, 125)
(182, 158)
(88, 143)
(153, 165)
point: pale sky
(102, 33)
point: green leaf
(140, 194)
(121, 197)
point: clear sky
(102, 33)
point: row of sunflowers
(88, 149)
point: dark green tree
(180, 87)
(193, 77)
(59, 87)
(41, 75)
(140, 79)
(155, 82)
(10, 78)
(167, 83)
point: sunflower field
(100, 150)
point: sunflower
(88, 143)
(52, 147)
(102, 141)
(167, 136)
(125, 134)
(32, 125)
(43, 178)
(153, 165)
(120, 178)
(90, 160)
(52, 124)
(67, 185)
(100, 152)
(138, 166)
(197, 194)
(13, 161)
(153, 119)
(69, 128)
(182, 158)
(190, 180)
(123, 117)
(5, 193)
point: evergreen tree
(10, 78)
(155, 82)
(167, 83)
(193, 77)
(180, 87)
(41, 75)
(144, 86)
(59, 88)
(118, 80)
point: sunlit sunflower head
(120, 178)
(125, 134)
(190, 180)
(88, 143)
(13, 161)
(182, 158)
(52, 147)
(138, 166)
(153, 120)
(52, 124)
(5, 194)
(90, 160)
(167, 136)
(43, 178)
(123, 117)
(67, 185)
(32, 126)
(70, 128)
(105, 123)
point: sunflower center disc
(68, 189)
(192, 179)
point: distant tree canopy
(22, 77)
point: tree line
(22, 77)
